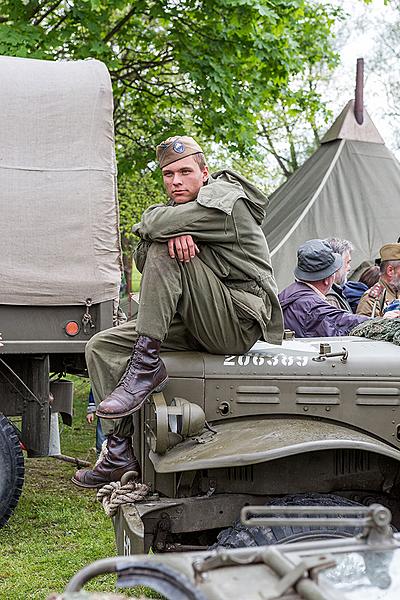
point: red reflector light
(72, 328)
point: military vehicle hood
(225, 187)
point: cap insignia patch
(178, 147)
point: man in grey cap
(207, 285)
(305, 308)
(335, 296)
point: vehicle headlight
(169, 425)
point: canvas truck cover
(59, 241)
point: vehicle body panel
(31, 329)
(280, 420)
(363, 567)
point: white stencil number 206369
(257, 360)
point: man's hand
(183, 248)
(392, 314)
(90, 417)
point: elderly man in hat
(375, 300)
(207, 285)
(306, 310)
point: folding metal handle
(350, 516)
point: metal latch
(87, 319)
(288, 334)
(223, 559)
(163, 528)
(325, 351)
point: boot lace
(133, 362)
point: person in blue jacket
(90, 416)
(353, 290)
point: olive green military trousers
(185, 306)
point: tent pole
(359, 94)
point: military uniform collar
(220, 194)
(388, 287)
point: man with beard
(375, 300)
(335, 296)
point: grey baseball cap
(316, 260)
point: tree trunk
(127, 263)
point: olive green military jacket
(225, 222)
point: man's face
(341, 275)
(183, 179)
(395, 277)
(324, 285)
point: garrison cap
(390, 252)
(316, 260)
(175, 148)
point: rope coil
(114, 494)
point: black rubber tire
(11, 469)
(243, 536)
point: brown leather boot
(118, 458)
(144, 375)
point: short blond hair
(200, 159)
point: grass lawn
(56, 528)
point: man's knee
(94, 344)
(157, 250)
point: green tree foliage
(213, 62)
(209, 67)
(290, 128)
(384, 65)
(137, 191)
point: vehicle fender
(242, 442)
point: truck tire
(11, 469)
(243, 536)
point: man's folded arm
(161, 223)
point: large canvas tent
(349, 188)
